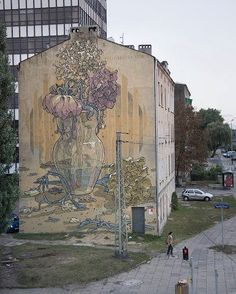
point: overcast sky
(196, 37)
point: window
(30, 17)
(16, 87)
(161, 96)
(198, 192)
(45, 15)
(7, 17)
(9, 32)
(10, 58)
(60, 29)
(7, 4)
(23, 57)
(60, 15)
(15, 18)
(67, 2)
(23, 19)
(75, 2)
(37, 4)
(53, 30)
(67, 28)
(30, 4)
(37, 17)
(60, 3)
(165, 99)
(23, 31)
(22, 4)
(52, 3)
(16, 58)
(38, 31)
(45, 30)
(15, 32)
(30, 31)
(44, 3)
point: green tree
(8, 184)
(210, 115)
(218, 134)
(190, 141)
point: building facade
(85, 90)
(35, 25)
(182, 93)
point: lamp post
(231, 132)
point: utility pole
(121, 238)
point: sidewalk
(160, 275)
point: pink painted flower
(61, 106)
(103, 89)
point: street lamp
(231, 132)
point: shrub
(174, 201)
(200, 173)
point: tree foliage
(8, 184)
(218, 133)
(210, 115)
(190, 140)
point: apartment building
(74, 98)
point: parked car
(13, 225)
(229, 154)
(196, 194)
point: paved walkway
(212, 272)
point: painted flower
(60, 104)
(103, 89)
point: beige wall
(165, 143)
(133, 113)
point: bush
(200, 173)
(213, 172)
(174, 201)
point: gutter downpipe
(156, 149)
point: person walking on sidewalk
(170, 242)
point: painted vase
(78, 154)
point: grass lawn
(50, 265)
(191, 218)
(48, 236)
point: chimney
(84, 32)
(130, 46)
(165, 65)
(145, 48)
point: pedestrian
(170, 242)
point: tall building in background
(182, 93)
(35, 25)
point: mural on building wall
(77, 188)
(85, 89)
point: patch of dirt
(8, 269)
(228, 249)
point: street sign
(222, 205)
